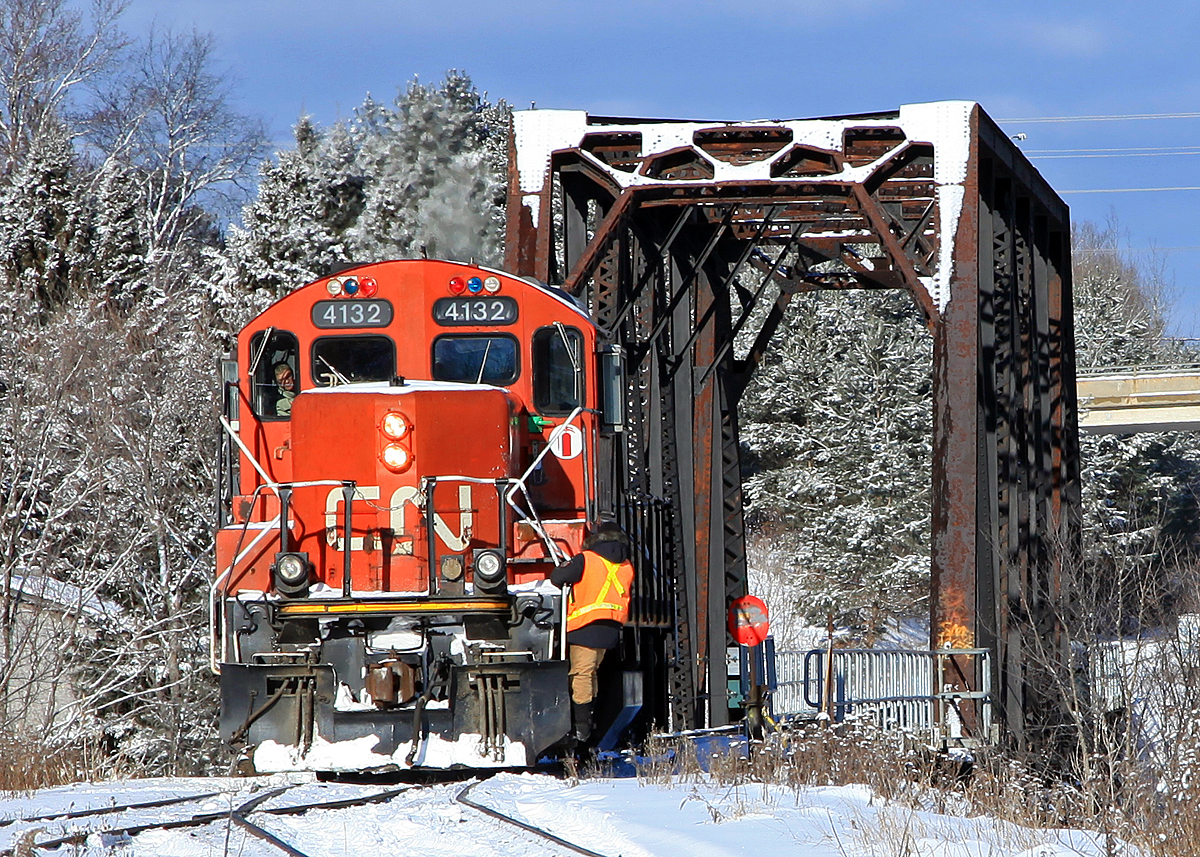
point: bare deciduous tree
(47, 52)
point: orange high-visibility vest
(602, 593)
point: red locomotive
(408, 450)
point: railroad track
(235, 815)
(462, 798)
(238, 816)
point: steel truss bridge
(688, 239)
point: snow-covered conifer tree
(422, 176)
(836, 439)
(1141, 492)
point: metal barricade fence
(900, 689)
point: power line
(1134, 249)
(1130, 149)
(1115, 117)
(1129, 190)
(1173, 153)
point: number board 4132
(451, 312)
(362, 313)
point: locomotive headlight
(396, 458)
(334, 287)
(291, 572)
(394, 425)
(491, 285)
(490, 574)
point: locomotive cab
(408, 450)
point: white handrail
(271, 483)
(531, 516)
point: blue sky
(721, 59)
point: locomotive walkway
(1149, 398)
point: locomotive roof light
(490, 573)
(350, 286)
(491, 285)
(457, 285)
(368, 286)
(394, 425)
(475, 285)
(396, 458)
(334, 287)
(291, 572)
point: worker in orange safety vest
(601, 580)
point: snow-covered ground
(610, 816)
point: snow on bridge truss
(688, 239)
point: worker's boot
(581, 720)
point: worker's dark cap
(608, 531)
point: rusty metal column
(957, 517)
(681, 436)
(710, 591)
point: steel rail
(462, 797)
(108, 810)
(237, 816)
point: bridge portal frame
(687, 241)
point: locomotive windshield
(347, 359)
(475, 359)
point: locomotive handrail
(217, 635)
(237, 438)
(531, 516)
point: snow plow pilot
(601, 578)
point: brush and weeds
(1014, 800)
(26, 766)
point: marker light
(490, 574)
(290, 574)
(368, 286)
(292, 569)
(396, 458)
(475, 285)
(350, 286)
(457, 285)
(394, 425)
(491, 285)
(334, 287)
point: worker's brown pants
(582, 673)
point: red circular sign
(748, 620)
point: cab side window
(557, 369)
(274, 373)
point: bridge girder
(688, 239)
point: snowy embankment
(610, 816)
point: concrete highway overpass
(1149, 399)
